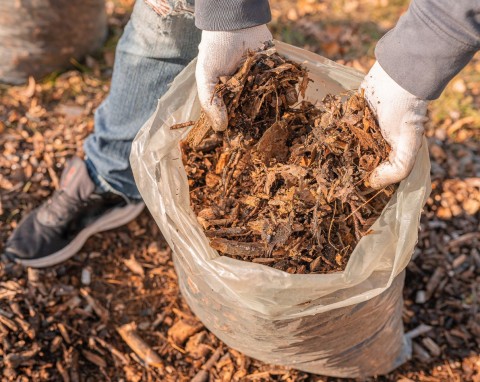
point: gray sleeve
(225, 15)
(431, 43)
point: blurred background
(129, 271)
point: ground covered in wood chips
(79, 321)
(286, 185)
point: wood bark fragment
(202, 375)
(139, 346)
(434, 281)
(94, 358)
(117, 353)
(8, 323)
(64, 333)
(420, 353)
(14, 360)
(418, 331)
(182, 330)
(432, 346)
(63, 372)
(96, 306)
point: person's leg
(100, 193)
(150, 54)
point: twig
(139, 346)
(117, 353)
(182, 125)
(331, 225)
(368, 201)
(418, 331)
(98, 309)
(202, 375)
(14, 360)
(465, 238)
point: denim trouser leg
(151, 52)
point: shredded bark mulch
(286, 185)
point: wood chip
(139, 346)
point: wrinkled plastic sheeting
(344, 324)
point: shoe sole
(113, 219)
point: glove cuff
(227, 15)
(380, 87)
(251, 36)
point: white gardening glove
(220, 53)
(401, 116)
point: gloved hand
(220, 53)
(401, 116)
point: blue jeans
(151, 52)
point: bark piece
(139, 346)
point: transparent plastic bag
(345, 324)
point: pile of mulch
(287, 184)
(66, 323)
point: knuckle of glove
(380, 179)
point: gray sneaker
(57, 229)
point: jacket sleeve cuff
(226, 15)
(427, 49)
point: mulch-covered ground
(73, 322)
